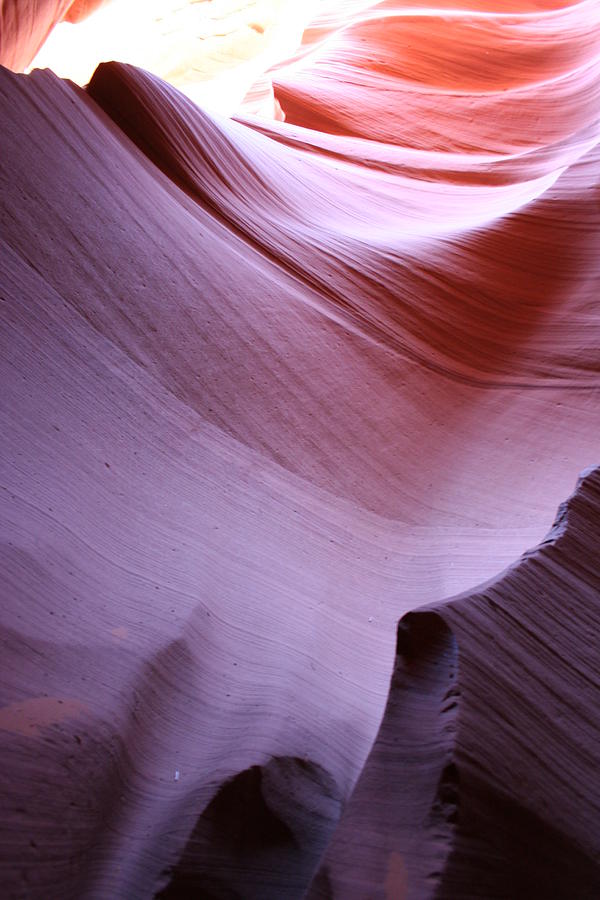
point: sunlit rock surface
(216, 51)
(269, 387)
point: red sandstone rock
(24, 26)
(267, 388)
(482, 781)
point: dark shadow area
(502, 850)
(261, 836)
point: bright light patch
(212, 50)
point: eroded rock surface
(267, 388)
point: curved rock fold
(271, 384)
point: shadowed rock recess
(482, 781)
(299, 337)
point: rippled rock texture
(490, 725)
(271, 385)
